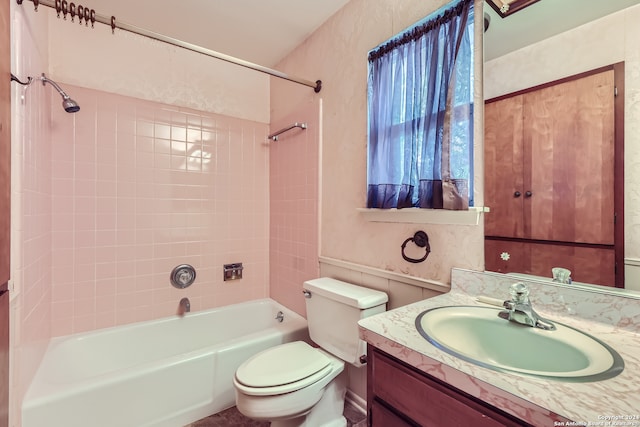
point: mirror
(505, 8)
(549, 40)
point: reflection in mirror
(545, 42)
(505, 8)
(595, 289)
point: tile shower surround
(139, 187)
(294, 196)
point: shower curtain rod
(90, 16)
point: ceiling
(258, 31)
(265, 31)
(542, 20)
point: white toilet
(295, 384)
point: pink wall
(294, 179)
(33, 271)
(31, 208)
(140, 187)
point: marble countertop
(535, 400)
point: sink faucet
(519, 309)
(185, 306)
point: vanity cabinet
(549, 177)
(400, 395)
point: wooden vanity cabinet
(400, 395)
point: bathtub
(162, 373)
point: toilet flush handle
(306, 293)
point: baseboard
(632, 261)
(632, 274)
(356, 401)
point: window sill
(424, 216)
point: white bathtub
(167, 372)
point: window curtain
(420, 102)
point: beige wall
(608, 40)
(337, 54)
(352, 248)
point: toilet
(296, 384)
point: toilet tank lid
(346, 293)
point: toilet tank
(333, 310)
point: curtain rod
(90, 16)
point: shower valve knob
(183, 276)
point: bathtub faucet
(185, 306)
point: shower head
(69, 105)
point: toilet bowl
(292, 384)
(295, 384)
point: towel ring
(421, 240)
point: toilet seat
(282, 369)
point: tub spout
(185, 306)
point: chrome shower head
(69, 105)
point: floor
(232, 418)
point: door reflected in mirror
(554, 141)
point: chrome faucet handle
(519, 293)
(519, 309)
(509, 305)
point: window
(420, 107)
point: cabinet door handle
(528, 194)
(516, 194)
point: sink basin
(477, 335)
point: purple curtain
(420, 104)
